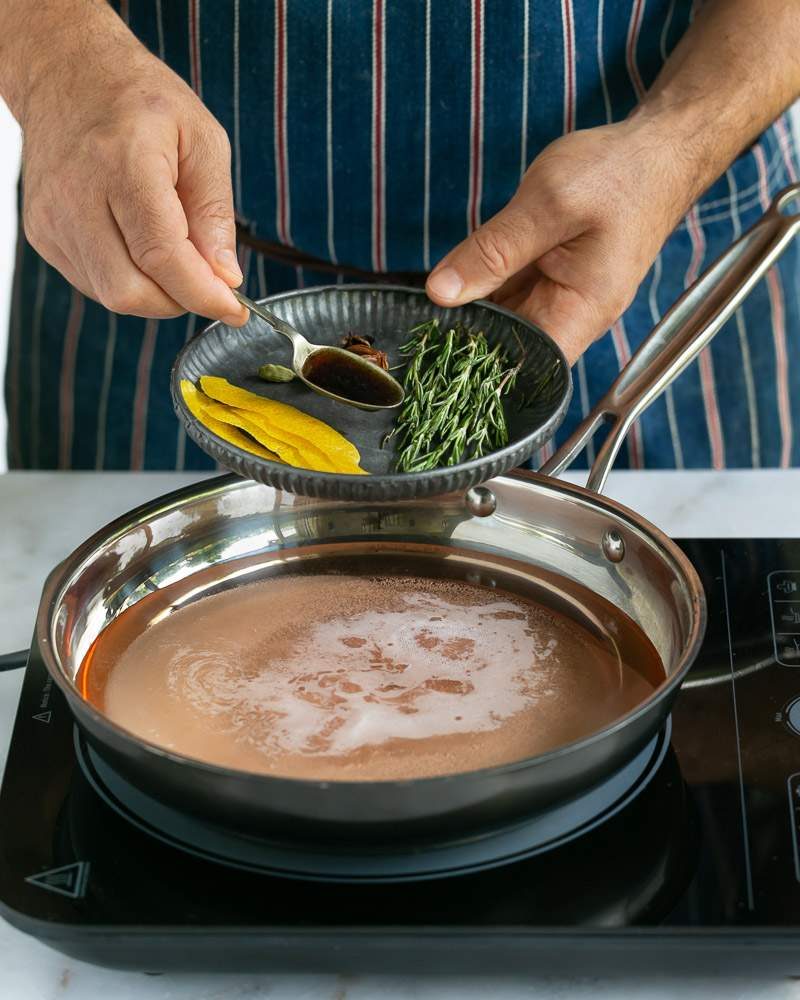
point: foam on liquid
(364, 677)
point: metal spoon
(310, 359)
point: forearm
(734, 71)
(37, 37)
(125, 174)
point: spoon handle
(297, 339)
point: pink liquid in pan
(359, 678)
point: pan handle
(682, 333)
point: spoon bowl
(333, 371)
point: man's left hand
(570, 249)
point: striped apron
(376, 134)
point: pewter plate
(386, 312)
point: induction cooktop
(687, 860)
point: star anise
(365, 348)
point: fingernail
(447, 283)
(227, 259)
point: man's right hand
(126, 175)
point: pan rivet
(481, 501)
(613, 546)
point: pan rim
(371, 486)
(59, 577)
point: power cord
(13, 661)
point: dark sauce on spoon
(347, 376)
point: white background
(9, 170)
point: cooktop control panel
(784, 602)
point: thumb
(493, 253)
(204, 188)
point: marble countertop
(44, 515)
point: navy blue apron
(376, 135)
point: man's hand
(571, 247)
(126, 176)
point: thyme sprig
(453, 410)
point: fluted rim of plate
(400, 485)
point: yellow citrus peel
(311, 455)
(194, 400)
(282, 417)
(296, 452)
(268, 428)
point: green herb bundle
(453, 410)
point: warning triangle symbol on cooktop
(43, 716)
(68, 880)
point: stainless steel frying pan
(559, 536)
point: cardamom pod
(275, 373)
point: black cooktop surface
(701, 867)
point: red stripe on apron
(378, 125)
(705, 361)
(785, 142)
(141, 397)
(195, 69)
(523, 126)
(329, 130)
(476, 123)
(782, 361)
(245, 259)
(14, 360)
(634, 28)
(66, 389)
(426, 193)
(237, 144)
(623, 351)
(281, 155)
(568, 26)
(778, 327)
(180, 444)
